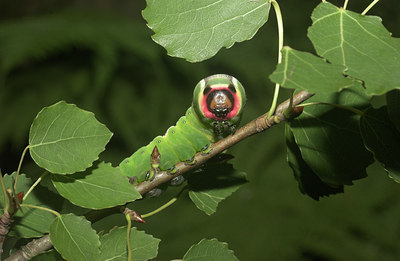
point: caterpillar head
(218, 101)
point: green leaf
(210, 250)
(74, 238)
(196, 30)
(209, 187)
(393, 107)
(304, 71)
(359, 42)
(329, 137)
(309, 182)
(102, 187)
(64, 139)
(383, 139)
(31, 222)
(113, 245)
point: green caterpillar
(216, 110)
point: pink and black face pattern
(220, 102)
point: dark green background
(99, 55)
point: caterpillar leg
(223, 128)
(178, 180)
(191, 161)
(206, 150)
(149, 175)
(172, 170)
(155, 192)
(232, 129)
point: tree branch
(31, 249)
(257, 125)
(5, 222)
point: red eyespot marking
(220, 103)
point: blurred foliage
(99, 55)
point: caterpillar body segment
(216, 111)
(180, 143)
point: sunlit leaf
(113, 245)
(65, 139)
(304, 71)
(210, 250)
(359, 42)
(212, 185)
(102, 187)
(383, 139)
(74, 238)
(196, 30)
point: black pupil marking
(206, 90)
(232, 88)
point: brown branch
(31, 249)
(5, 222)
(257, 125)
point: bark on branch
(257, 125)
(31, 249)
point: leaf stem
(42, 208)
(3, 187)
(279, 20)
(345, 4)
(344, 107)
(369, 7)
(19, 165)
(291, 99)
(34, 185)
(169, 203)
(128, 236)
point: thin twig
(257, 125)
(5, 222)
(31, 249)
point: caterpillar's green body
(216, 111)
